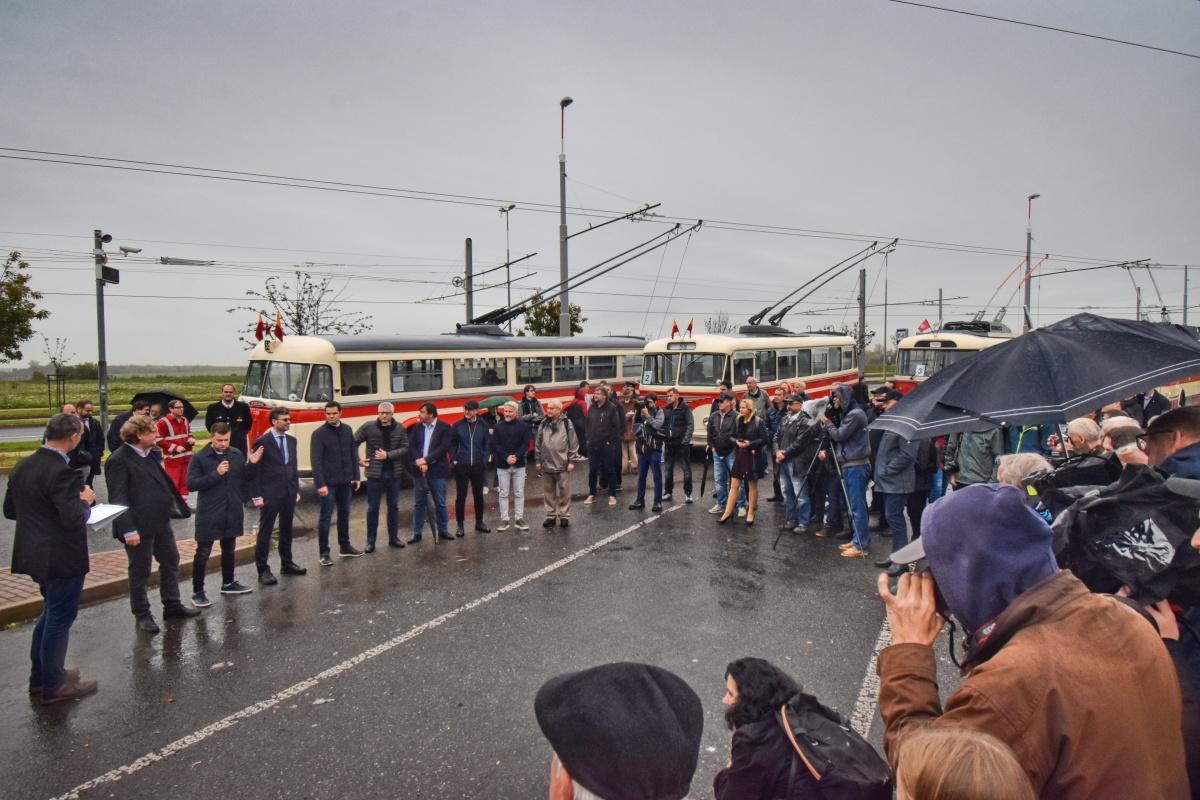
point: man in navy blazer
(49, 503)
(275, 490)
(429, 444)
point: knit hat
(623, 731)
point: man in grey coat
(555, 449)
(971, 457)
(387, 446)
(895, 478)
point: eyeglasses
(176, 407)
(1142, 438)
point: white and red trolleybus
(772, 355)
(302, 373)
(918, 357)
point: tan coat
(556, 445)
(1078, 685)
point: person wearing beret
(620, 731)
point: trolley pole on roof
(469, 284)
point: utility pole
(99, 239)
(940, 317)
(862, 322)
(1185, 293)
(1028, 260)
(507, 258)
(469, 284)
(564, 307)
(886, 331)
(1137, 293)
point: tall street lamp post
(507, 258)
(1028, 261)
(564, 307)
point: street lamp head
(507, 208)
(566, 101)
(1034, 196)
(106, 238)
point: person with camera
(851, 456)
(649, 437)
(678, 425)
(795, 446)
(219, 476)
(895, 477)
(1050, 668)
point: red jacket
(175, 437)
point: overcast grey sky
(861, 117)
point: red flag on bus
(278, 328)
(674, 329)
(260, 329)
(689, 327)
(924, 326)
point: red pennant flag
(260, 329)
(278, 328)
(924, 326)
(689, 327)
(674, 329)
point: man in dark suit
(136, 479)
(232, 412)
(335, 471)
(113, 437)
(429, 445)
(275, 489)
(93, 437)
(45, 498)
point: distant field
(26, 400)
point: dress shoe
(71, 689)
(883, 563)
(548, 522)
(414, 539)
(637, 506)
(896, 570)
(657, 507)
(267, 578)
(563, 522)
(183, 612)
(723, 520)
(854, 552)
(146, 624)
(71, 675)
(292, 568)
(397, 542)
(445, 536)
(749, 521)
(349, 552)
(370, 548)
(481, 528)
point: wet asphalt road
(446, 710)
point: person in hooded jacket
(1077, 684)
(852, 451)
(760, 762)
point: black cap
(471, 405)
(796, 398)
(624, 731)
(893, 394)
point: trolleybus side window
(765, 363)
(701, 369)
(285, 381)
(835, 359)
(847, 358)
(472, 372)
(568, 368)
(743, 367)
(787, 364)
(660, 369)
(820, 360)
(320, 384)
(359, 377)
(534, 369)
(416, 375)
(631, 367)
(601, 367)
(253, 385)
(803, 363)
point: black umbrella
(1048, 375)
(164, 398)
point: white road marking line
(868, 693)
(179, 745)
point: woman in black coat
(760, 764)
(750, 436)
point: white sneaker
(612, 501)
(715, 510)
(687, 498)
(741, 512)
(521, 526)
(504, 525)
(591, 498)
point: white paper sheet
(104, 513)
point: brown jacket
(1079, 686)
(629, 411)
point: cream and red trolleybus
(919, 357)
(302, 373)
(772, 355)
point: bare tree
(308, 307)
(719, 324)
(56, 352)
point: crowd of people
(1073, 684)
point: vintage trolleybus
(302, 373)
(772, 355)
(918, 357)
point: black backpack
(842, 763)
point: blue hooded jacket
(850, 434)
